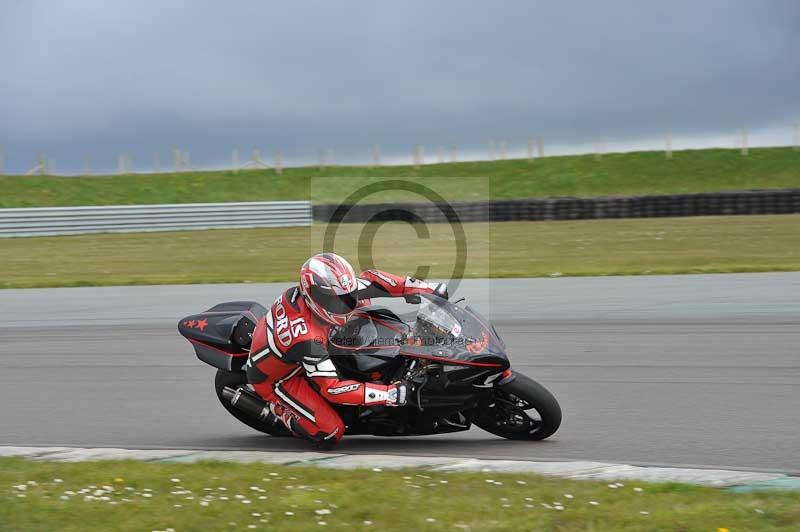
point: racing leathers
(290, 368)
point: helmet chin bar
(335, 319)
(324, 315)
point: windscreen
(435, 320)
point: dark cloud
(104, 77)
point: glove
(440, 290)
(398, 396)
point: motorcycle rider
(289, 365)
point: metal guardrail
(46, 221)
(784, 201)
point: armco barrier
(135, 218)
(710, 204)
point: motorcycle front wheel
(522, 409)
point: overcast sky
(105, 76)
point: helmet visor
(333, 303)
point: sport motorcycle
(452, 355)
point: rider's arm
(322, 372)
(377, 283)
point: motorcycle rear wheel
(234, 379)
(507, 414)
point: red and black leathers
(289, 365)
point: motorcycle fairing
(221, 335)
(376, 332)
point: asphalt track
(684, 370)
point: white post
(668, 144)
(120, 164)
(374, 158)
(278, 162)
(330, 157)
(321, 154)
(540, 146)
(600, 148)
(157, 162)
(745, 148)
(796, 136)
(376, 150)
(530, 148)
(177, 155)
(453, 157)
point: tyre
(234, 379)
(523, 409)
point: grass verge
(227, 496)
(512, 249)
(636, 173)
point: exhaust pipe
(249, 403)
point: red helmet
(328, 284)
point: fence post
(540, 146)
(418, 157)
(668, 144)
(745, 148)
(600, 148)
(374, 156)
(278, 162)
